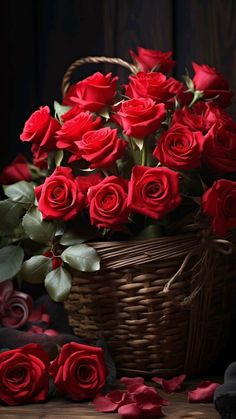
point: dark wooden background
(40, 38)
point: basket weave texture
(150, 331)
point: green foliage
(38, 229)
(82, 257)
(58, 284)
(11, 258)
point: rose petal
(203, 393)
(130, 381)
(174, 384)
(104, 404)
(130, 411)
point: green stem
(198, 94)
(144, 155)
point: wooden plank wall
(196, 30)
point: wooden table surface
(179, 408)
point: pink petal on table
(203, 393)
(104, 404)
(128, 382)
(174, 384)
(130, 411)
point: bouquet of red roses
(118, 162)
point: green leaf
(10, 215)
(59, 157)
(58, 284)
(11, 258)
(20, 192)
(60, 110)
(104, 113)
(69, 238)
(139, 143)
(38, 229)
(35, 269)
(82, 257)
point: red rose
(101, 148)
(153, 191)
(108, 203)
(149, 59)
(85, 182)
(141, 117)
(79, 371)
(15, 306)
(73, 130)
(24, 375)
(179, 148)
(219, 150)
(40, 129)
(16, 171)
(202, 116)
(59, 197)
(153, 85)
(93, 93)
(212, 83)
(40, 156)
(219, 203)
(72, 113)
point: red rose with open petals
(149, 59)
(155, 86)
(40, 129)
(93, 93)
(219, 203)
(108, 203)
(212, 83)
(179, 148)
(17, 170)
(219, 150)
(101, 148)
(73, 130)
(141, 117)
(24, 375)
(79, 371)
(153, 191)
(59, 197)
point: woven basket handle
(91, 60)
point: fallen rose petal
(147, 396)
(104, 404)
(131, 381)
(39, 315)
(203, 393)
(130, 411)
(174, 384)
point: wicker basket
(163, 305)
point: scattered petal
(130, 381)
(130, 411)
(104, 404)
(203, 393)
(174, 384)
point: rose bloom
(17, 170)
(108, 203)
(153, 191)
(59, 196)
(40, 129)
(149, 59)
(73, 130)
(213, 84)
(72, 113)
(24, 375)
(101, 148)
(219, 203)
(140, 117)
(219, 150)
(202, 116)
(79, 371)
(155, 86)
(179, 148)
(93, 93)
